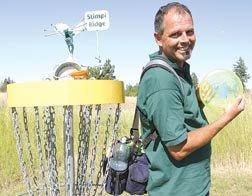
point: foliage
(195, 80)
(131, 90)
(102, 72)
(241, 71)
(4, 83)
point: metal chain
(51, 145)
(93, 153)
(116, 125)
(25, 120)
(114, 138)
(85, 115)
(68, 143)
(20, 151)
(39, 148)
(79, 179)
(46, 117)
(88, 120)
(105, 143)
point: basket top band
(65, 92)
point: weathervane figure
(69, 40)
(68, 33)
(97, 20)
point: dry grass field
(232, 157)
(231, 160)
(3, 99)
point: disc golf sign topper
(97, 20)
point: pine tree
(107, 71)
(102, 72)
(241, 71)
(4, 83)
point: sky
(223, 30)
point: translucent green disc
(220, 87)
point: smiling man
(179, 156)
(176, 41)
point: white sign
(97, 20)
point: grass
(231, 160)
(232, 157)
(233, 145)
(9, 167)
(231, 183)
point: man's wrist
(224, 120)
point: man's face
(178, 38)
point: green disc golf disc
(219, 88)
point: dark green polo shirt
(173, 112)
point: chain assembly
(20, 151)
(94, 149)
(51, 149)
(68, 148)
(85, 115)
(25, 120)
(39, 148)
(91, 164)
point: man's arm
(200, 137)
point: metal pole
(97, 44)
(69, 150)
(97, 47)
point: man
(180, 155)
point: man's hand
(235, 108)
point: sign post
(97, 21)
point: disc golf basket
(72, 161)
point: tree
(195, 80)
(241, 71)
(4, 83)
(103, 72)
(131, 90)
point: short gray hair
(159, 18)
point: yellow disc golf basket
(72, 161)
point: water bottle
(121, 152)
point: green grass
(231, 160)
(231, 183)
(9, 167)
(233, 145)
